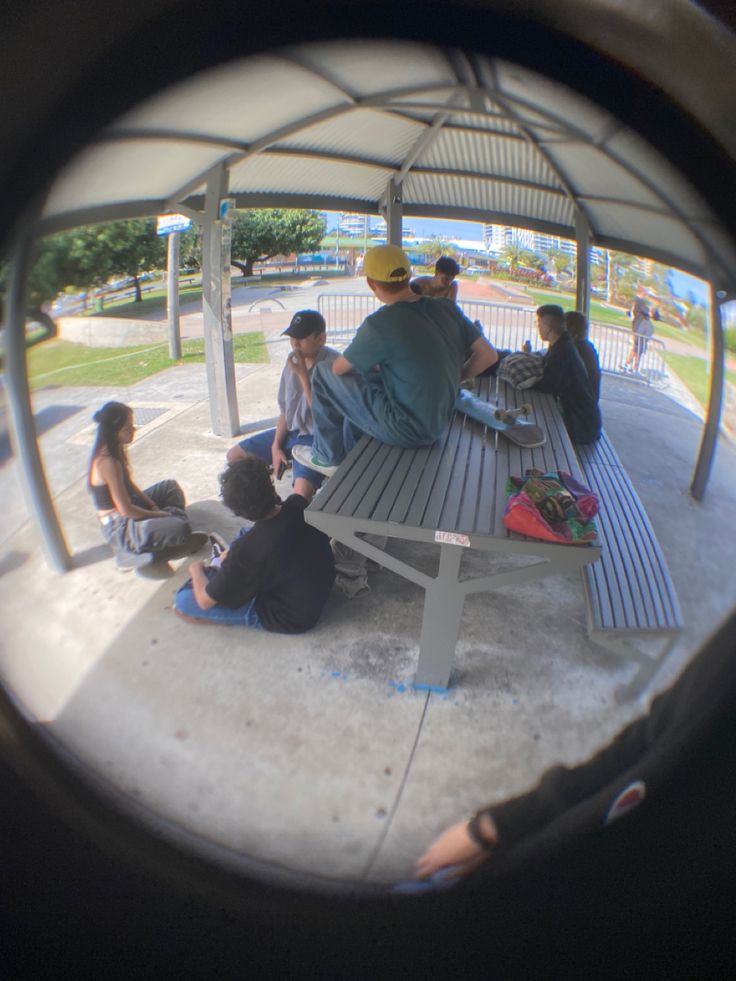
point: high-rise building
(496, 237)
(353, 225)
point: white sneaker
(304, 455)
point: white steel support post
(172, 296)
(391, 208)
(582, 238)
(216, 306)
(709, 439)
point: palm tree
(514, 255)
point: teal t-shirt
(420, 347)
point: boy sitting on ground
(442, 283)
(423, 347)
(307, 333)
(276, 575)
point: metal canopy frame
(473, 88)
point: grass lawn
(617, 317)
(693, 373)
(152, 302)
(64, 363)
(598, 311)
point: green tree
(623, 278)
(560, 261)
(439, 245)
(264, 233)
(56, 265)
(122, 248)
(515, 255)
(190, 247)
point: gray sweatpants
(151, 534)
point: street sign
(166, 224)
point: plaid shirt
(521, 370)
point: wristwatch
(476, 833)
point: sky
(433, 226)
(683, 285)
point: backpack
(552, 506)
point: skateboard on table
(511, 422)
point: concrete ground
(310, 759)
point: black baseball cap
(304, 323)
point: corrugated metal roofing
(330, 123)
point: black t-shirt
(285, 563)
(565, 376)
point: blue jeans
(241, 616)
(343, 408)
(260, 446)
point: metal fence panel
(505, 326)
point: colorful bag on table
(551, 506)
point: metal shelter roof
(329, 125)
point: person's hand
(278, 459)
(453, 847)
(298, 365)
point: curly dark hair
(246, 489)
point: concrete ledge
(112, 331)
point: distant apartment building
(353, 225)
(496, 237)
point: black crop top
(102, 498)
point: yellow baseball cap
(387, 264)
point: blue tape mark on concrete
(334, 674)
(436, 688)
(397, 685)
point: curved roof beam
(291, 129)
(531, 139)
(671, 205)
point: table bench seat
(450, 494)
(629, 592)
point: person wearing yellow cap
(398, 378)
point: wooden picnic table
(450, 494)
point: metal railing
(614, 345)
(505, 326)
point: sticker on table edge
(452, 538)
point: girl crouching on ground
(140, 526)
